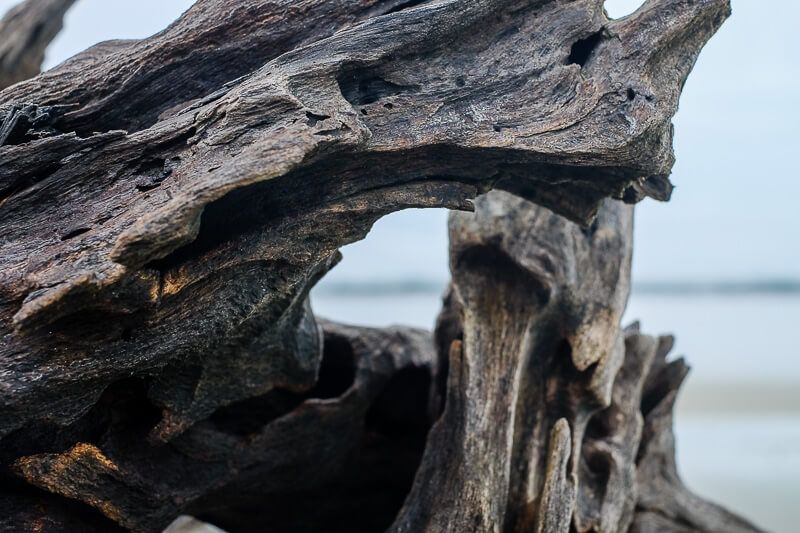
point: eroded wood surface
(167, 204)
(557, 419)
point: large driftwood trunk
(166, 206)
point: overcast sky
(734, 214)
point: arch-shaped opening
(396, 275)
(617, 9)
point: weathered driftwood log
(536, 343)
(167, 204)
(25, 32)
(161, 224)
(550, 420)
(344, 452)
(547, 395)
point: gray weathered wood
(25, 32)
(537, 346)
(167, 204)
(556, 419)
(235, 200)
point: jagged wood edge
(556, 418)
(294, 152)
(128, 270)
(287, 460)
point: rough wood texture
(167, 204)
(197, 230)
(534, 349)
(25, 32)
(343, 452)
(547, 396)
(664, 504)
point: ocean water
(738, 416)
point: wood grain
(167, 204)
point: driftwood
(166, 206)
(25, 32)
(555, 417)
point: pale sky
(734, 214)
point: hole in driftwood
(401, 409)
(407, 4)
(582, 50)
(337, 370)
(602, 423)
(361, 86)
(128, 406)
(336, 375)
(366, 487)
(251, 415)
(71, 234)
(598, 464)
(630, 195)
(313, 118)
(617, 9)
(394, 275)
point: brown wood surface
(167, 204)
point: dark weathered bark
(167, 204)
(25, 32)
(344, 451)
(218, 216)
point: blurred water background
(717, 266)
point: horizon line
(664, 287)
